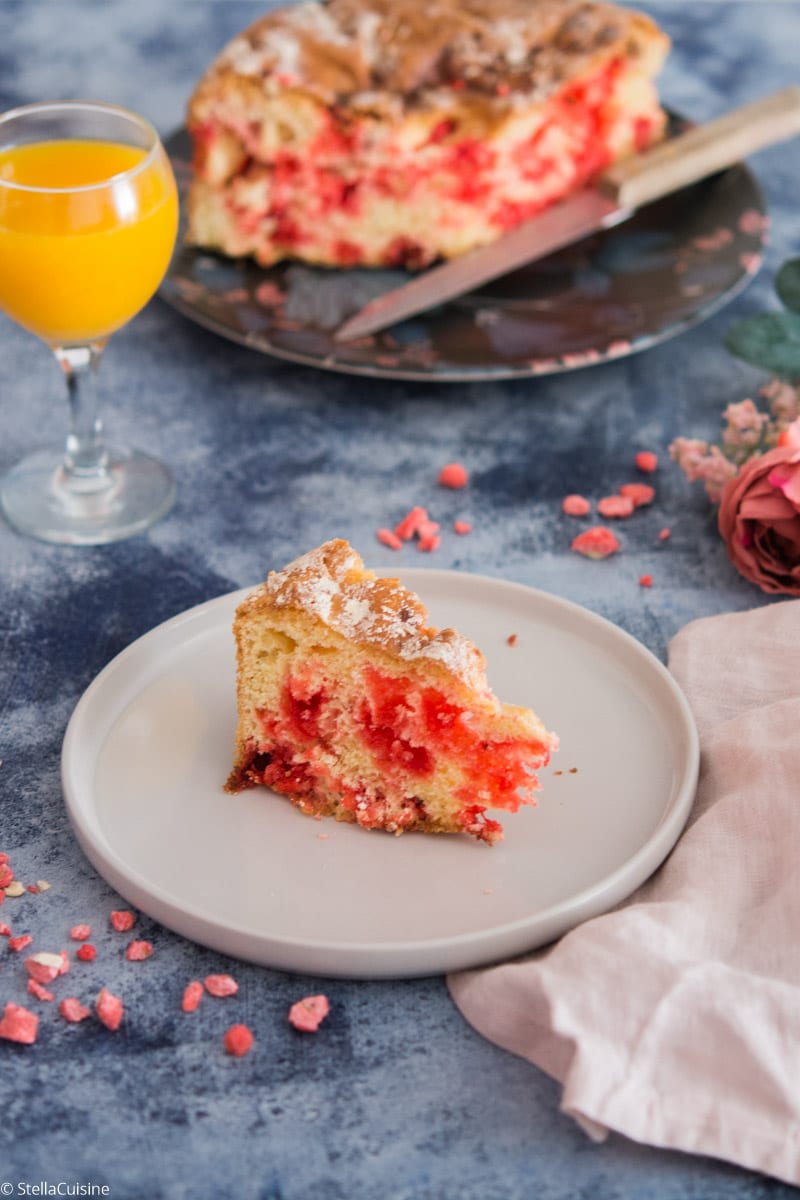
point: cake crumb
(615, 506)
(238, 1041)
(575, 505)
(410, 523)
(43, 967)
(19, 1024)
(645, 581)
(109, 1009)
(221, 985)
(512, 639)
(307, 1015)
(41, 993)
(597, 542)
(192, 995)
(138, 951)
(454, 475)
(638, 493)
(122, 920)
(427, 528)
(664, 534)
(462, 527)
(269, 294)
(72, 1010)
(646, 461)
(389, 539)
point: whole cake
(353, 706)
(395, 132)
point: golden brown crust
(366, 54)
(332, 584)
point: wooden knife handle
(705, 149)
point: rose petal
(766, 508)
(787, 478)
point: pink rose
(759, 517)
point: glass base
(40, 498)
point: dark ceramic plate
(669, 267)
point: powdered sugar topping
(331, 583)
(360, 49)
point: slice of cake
(353, 706)
(396, 132)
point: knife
(623, 189)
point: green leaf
(770, 340)
(787, 284)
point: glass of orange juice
(88, 219)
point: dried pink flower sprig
(747, 431)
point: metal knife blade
(629, 185)
(558, 226)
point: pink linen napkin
(675, 1018)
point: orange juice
(86, 233)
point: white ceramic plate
(150, 744)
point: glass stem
(85, 466)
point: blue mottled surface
(396, 1097)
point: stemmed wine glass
(88, 219)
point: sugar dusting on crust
(359, 48)
(332, 583)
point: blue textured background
(396, 1097)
